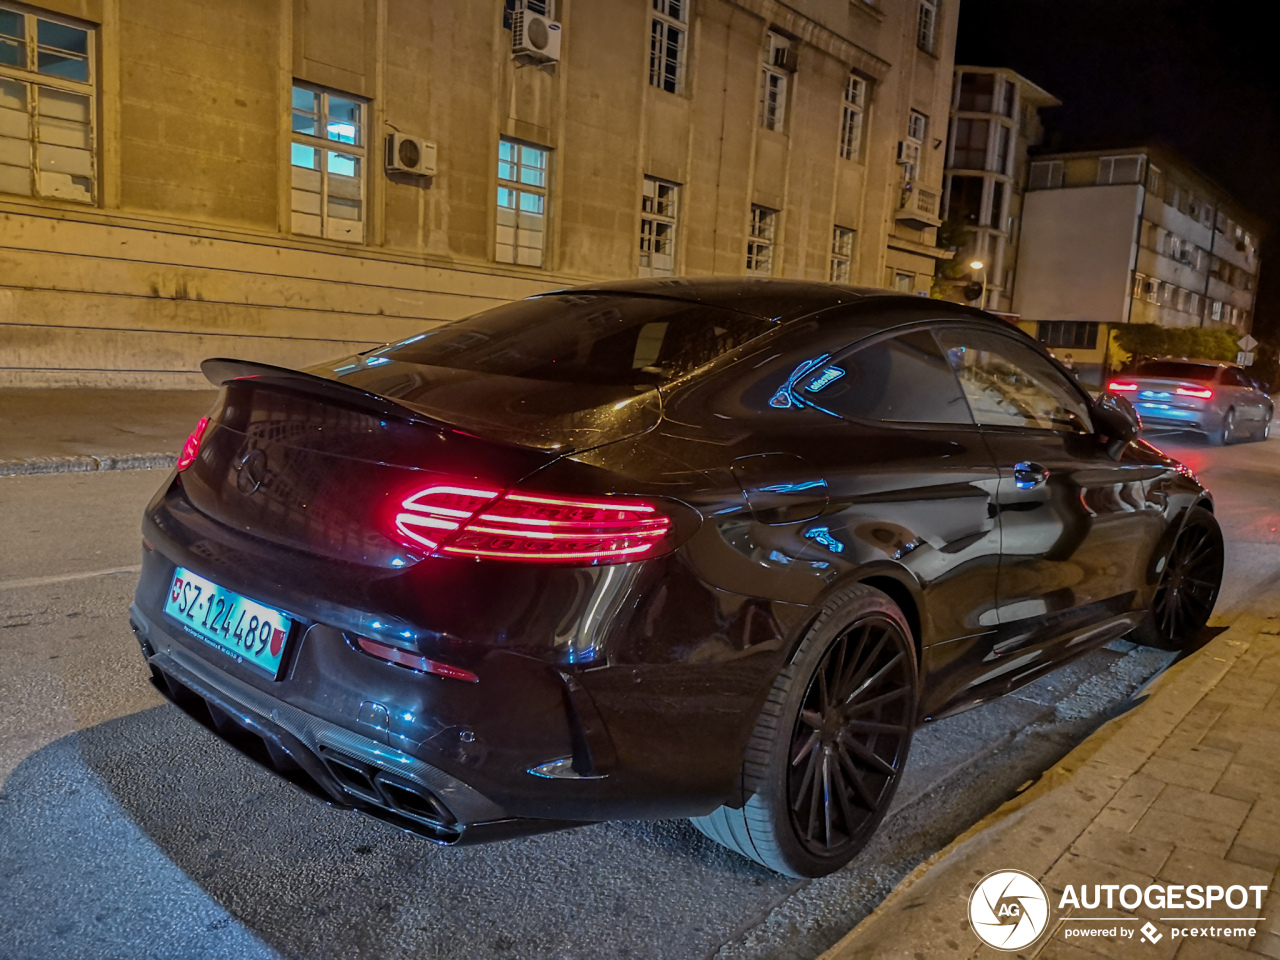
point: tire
(1188, 586)
(1225, 432)
(853, 743)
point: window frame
(774, 78)
(853, 114)
(655, 217)
(520, 187)
(843, 243)
(325, 146)
(927, 25)
(33, 81)
(661, 25)
(762, 239)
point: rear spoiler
(223, 370)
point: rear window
(585, 338)
(1176, 370)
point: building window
(1001, 159)
(46, 107)
(904, 282)
(778, 63)
(1068, 333)
(909, 156)
(927, 25)
(965, 199)
(522, 203)
(764, 224)
(668, 39)
(1045, 175)
(969, 151)
(977, 92)
(658, 212)
(328, 183)
(841, 254)
(1119, 169)
(855, 100)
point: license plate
(235, 624)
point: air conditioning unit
(411, 155)
(534, 37)
(905, 153)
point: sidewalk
(54, 431)
(1184, 789)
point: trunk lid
(320, 464)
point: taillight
(192, 447)
(475, 521)
(1204, 394)
(1121, 386)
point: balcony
(917, 208)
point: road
(128, 831)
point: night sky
(1197, 77)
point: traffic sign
(1245, 357)
(1247, 343)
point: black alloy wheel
(1226, 431)
(850, 739)
(1188, 586)
(831, 743)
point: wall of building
(187, 250)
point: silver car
(1219, 400)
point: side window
(1233, 378)
(1008, 384)
(903, 379)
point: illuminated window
(46, 107)
(764, 223)
(523, 191)
(927, 25)
(855, 101)
(778, 63)
(658, 212)
(841, 253)
(327, 157)
(668, 40)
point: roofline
(1172, 158)
(1043, 97)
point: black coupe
(671, 548)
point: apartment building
(290, 180)
(995, 119)
(1130, 236)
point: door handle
(1027, 475)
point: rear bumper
(1169, 416)
(334, 764)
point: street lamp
(979, 265)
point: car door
(1078, 521)
(1243, 398)
(911, 490)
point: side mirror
(1115, 417)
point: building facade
(1130, 236)
(995, 118)
(291, 180)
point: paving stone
(1259, 754)
(1198, 721)
(1061, 950)
(1182, 774)
(1253, 858)
(1247, 783)
(1131, 802)
(1196, 754)
(1202, 949)
(1192, 866)
(1202, 805)
(1260, 834)
(1123, 948)
(1202, 835)
(1142, 854)
(1267, 944)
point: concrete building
(182, 179)
(995, 118)
(1130, 236)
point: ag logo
(1008, 909)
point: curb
(86, 464)
(925, 915)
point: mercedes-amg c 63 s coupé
(673, 548)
